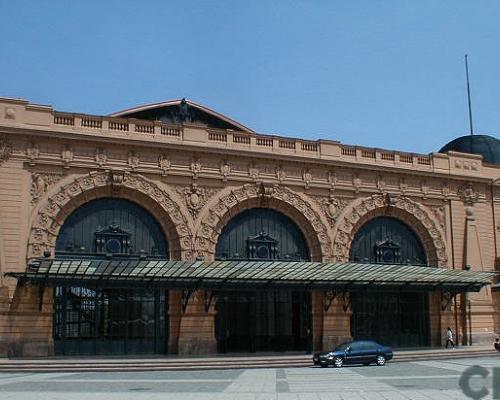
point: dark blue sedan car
(354, 352)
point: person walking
(449, 338)
(497, 344)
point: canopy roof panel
(251, 274)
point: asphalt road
(404, 380)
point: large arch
(414, 214)
(61, 202)
(297, 207)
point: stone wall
(193, 180)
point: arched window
(386, 240)
(261, 234)
(111, 227)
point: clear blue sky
(384, 74)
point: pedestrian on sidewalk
(449, 338)
(497, 344)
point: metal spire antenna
(468, 96)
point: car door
(369, 351)
(354, 353)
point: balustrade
(217, 136)
(90, 122)
(387, 156)
(241, 139)
(265, 141)
(61, 119)
(258, 142)
(144, 128)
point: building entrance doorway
(278, 320)
(104, 320)
(397, 319)
(91, 321)
(265, 320)
(392, 319)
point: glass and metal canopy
(218, 275)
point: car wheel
(338, 362)
(380, 360)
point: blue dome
(485, 145)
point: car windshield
(343, 346)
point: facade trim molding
(298, 207)
(66, 198)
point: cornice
(20, 119)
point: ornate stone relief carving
(403, 186)
(101, 157)
(67, 156)
(467, 165)
(332, 180)
(307, 177)
(439, 212)
(356, 182)
(410, 208)
(164, 163)
(40, 183)
(280, 174)
(10, 113)
(32, 153)
(196, 197)
(47, 222)
(424, 188)
(195, 168)
(253, 172)
(225, 170)
(5, 150)
(133, 159)
(332, 207)
(468, 194)
(445, 189)
(380, 183)
(215, 216)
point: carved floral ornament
(253, 172)
(380, 183)
(222, 208)
(67, 156)
(195, 168)
(164, 163)
(432, 234)
(403, 185)
(468, 194)
(133, 159)
(356, 182)
(307, 177)
(101, 156)
(196, 197)
(280, 174)
(332, 206)
(32, 153)
(5, 150)
(225, 170)
(48, 220)
(332, 180)
(40, 183)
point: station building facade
(170, 228)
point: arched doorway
(110, 320)
(263, 320)
(398, 319)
